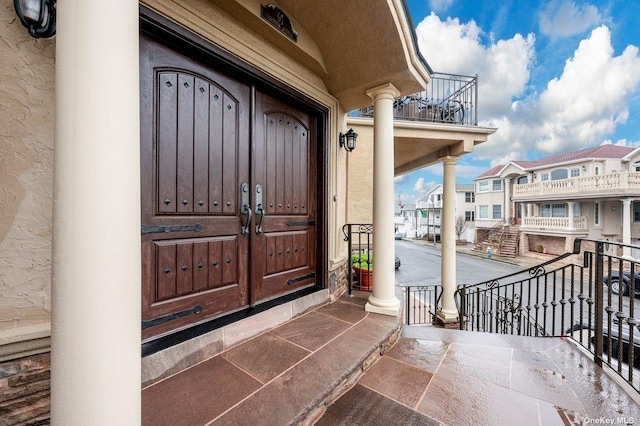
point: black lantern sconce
(348, 140)
(38, 16)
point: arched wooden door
(228, 198)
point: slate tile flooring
(430, 376)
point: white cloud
(440, 5)
(422, 186)
(580, 108)
(503, 67)
(584, 105)
(565, 18)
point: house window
(497, 185)
(596, 213)
(483, 186)
(522, 180)
(575, 172)
(596, 170)
(439, 197)
(636, 211)
(559, 174)
(469, 197)
(544, 176)
(469, 216)
(483, 212)
(553, 210)
(497, 211)
(576, 210)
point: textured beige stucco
(26, 170)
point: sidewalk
(523, 261)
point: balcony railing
(555, 223)
(584, 299)
(449, 99)
(612, 182)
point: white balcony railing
(555, 223)
(612, 182)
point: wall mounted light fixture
(348, 140)
(38, 16)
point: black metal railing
(582, 297)
(360, 239)
(449, 98)
(422, 303)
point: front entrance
(229, 200)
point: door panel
(284, 166)
(197, 155)
(194, 156)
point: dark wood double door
(228, 192)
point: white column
(383, 299)
(507, 199)
(448, 313)
(529, 210)
(570, 213)
(626, 226)
(95, 375)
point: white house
(428, 212)
(590, 193)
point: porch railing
(611, 182)
(422, 303)
(360, 239)
(559, 223)
(578, 294)
(449, 99)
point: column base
(389, 307)
(447, 319)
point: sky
(553, 76)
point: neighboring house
(429, 212)
(591, 193)
(198, 178)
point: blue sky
(554, 76)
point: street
(421, 266)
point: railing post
(462, 311)
(408, 291)
(599, 307)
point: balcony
(449, 99)
(555, 224)
(614, 184)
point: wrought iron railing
(360, 239)
(582, 297)
(449, 98)
(422, 303)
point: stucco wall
(26, 171)
(360, 177)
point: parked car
(399, 235)
(397, 263)
(588, 334)
(622, 285)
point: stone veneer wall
(552, 245)
(24, 390)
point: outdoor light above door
(348, 140)
(38, 16)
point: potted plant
(362, 264)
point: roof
(492, 172)
(602, 151)
(596, 152)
